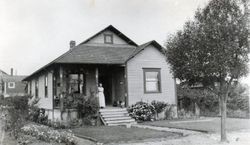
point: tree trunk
(223, 106)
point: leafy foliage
(212, 47)
(159, 106)
(34, 111)
(212, 50)
(16, 113)
(238, 98)
(208, 102)
(48, 134)
(142, 111)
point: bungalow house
(11, 85)
(129, 73)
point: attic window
(108, 38)
(11, 85)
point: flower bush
(159, 106)
(142, 111)
(48, 134)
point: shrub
(34, 111)
(16, 113)
(169, 112)
(48, 134)
(142, 111)
(87, 107)
(159, 106)
(183, 114)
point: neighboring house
(12, 85)
(129, 73)
(2, 73)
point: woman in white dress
(101, 96)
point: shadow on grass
(115, 134)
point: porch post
(126, 85)
(97, 77)
(61, 91)
(97, 98)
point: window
(108, 38)
(30, 87)
(77, 83)
(46, 86)
(36, 88)
(152, 80)
(11, 85)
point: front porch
(72, 82)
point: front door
(106, 81)
(119, 86)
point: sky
(35, 32)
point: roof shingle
(97, 54)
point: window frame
(158, 70)
(30, 88)
(11, 86)
(36, 88)
(78, 82)
(111, 38)
(46, 86)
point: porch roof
(97, 54)
(92, 54)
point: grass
(210, 125)
(115, 134)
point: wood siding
(99, 39)
(150, 57)
(45, 103)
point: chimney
(72, 44)
(11, 71)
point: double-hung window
(152, 80)
(46, 86)
(36, 88)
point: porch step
(114, 113)
(113, 110)
(116, 116)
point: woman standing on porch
(101, 96)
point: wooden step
(114, 115)
(121, 121)
(118, 124)
(113, 110)
(117, 118)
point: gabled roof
(93, 54)
(143, 46)
(97, 54)
(100, 54)
(2, 72)
(9, 78)
(114, 30)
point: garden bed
(119, 134)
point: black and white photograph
(125, 72)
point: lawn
(116, 134)
(207, 125)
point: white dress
(101, 97)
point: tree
(212, 50)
